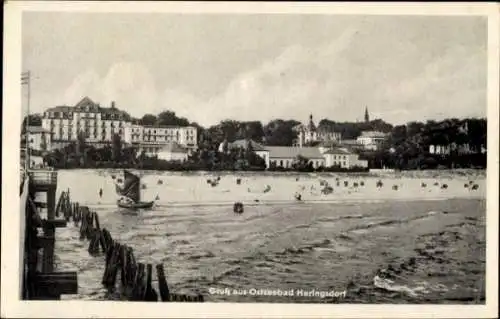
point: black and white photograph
(250, 158)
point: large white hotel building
(99, 124)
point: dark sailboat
(131, 192)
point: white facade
(344, 159)
(152, 139)
(39, 139)
(447, 149)
(173, 152)
(371, 140)
(284, 156)
(98, 124)
(264, 154)
(440, 149)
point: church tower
(367, 117)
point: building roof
(349, 142)
(86, 102)
(373, 134)
(293, 152)
(167, 126)
(244, 143)
(338, 150)
(37, 129)
(60, 108)
(174, 148)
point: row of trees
(408, 146)
(277, 132)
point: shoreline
(379, 173)
(346, 201)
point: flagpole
(25, 79)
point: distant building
(459, 149)
(98, 124)
(440, 149)
(152, 139)
(285, 156)
(352, 145)
(371, 140)
(325, 155)
(310, 133)
(343, 158)
(39, 139)
(367, 116)
(172, 152)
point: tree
(169, 118)
(80, 143)
(116, 145)
(148, 119)
(280, 132)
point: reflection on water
(398, 251)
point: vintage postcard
(205, 159)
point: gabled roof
(60, 108)
(337, 150)
(329, 143)
(83, 104)
(373, 134)
(350, 142)
(292, 152)
(86, 102)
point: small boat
(135, 205)
(131, 193)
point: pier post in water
(162, 283)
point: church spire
(367, 117)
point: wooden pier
(40, 281)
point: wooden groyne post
(41, 282)
(135, 282)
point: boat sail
(131, 190)
(131, 187)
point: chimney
(112, 104)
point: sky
(261, 66)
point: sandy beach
(275, 188)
